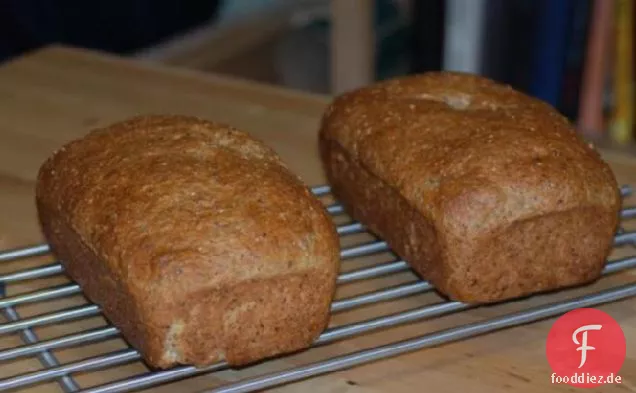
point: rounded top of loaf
(187, 202)
(445, 138)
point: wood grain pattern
(56, 94)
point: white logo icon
(583, 344)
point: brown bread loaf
(194, 238)
(486, 192)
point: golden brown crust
(488, 193)
(174, 225)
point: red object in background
(591, 120)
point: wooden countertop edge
(618, 157)
(255, 92)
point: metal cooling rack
(64, 373)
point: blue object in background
(550, 49)
(575, 58)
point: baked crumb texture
(488, 193)
(194, 238)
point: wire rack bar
(100, 362)
(338, 333)
(26, 252)
(321, 190)
(628, 213)
(330, 335)
(62, 373)
(351, 252)
(57, 268)
(28, 336)
(426, 341)
(364, 249)
(360, 274)
(30, 274)
(92, 310)
(41, 295)
(372, 272)
(624, 239)
(350, 229)
(343, 230)
(69, 314)
(46, 319)
(47, 359)
(335, 209)
(68, 341)
(73, 289)
(154, 378)
(381, 295)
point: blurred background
(574, 54)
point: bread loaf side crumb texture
(193, 237)
(488, 193)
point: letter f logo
(583, 344)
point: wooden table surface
(56, 94)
